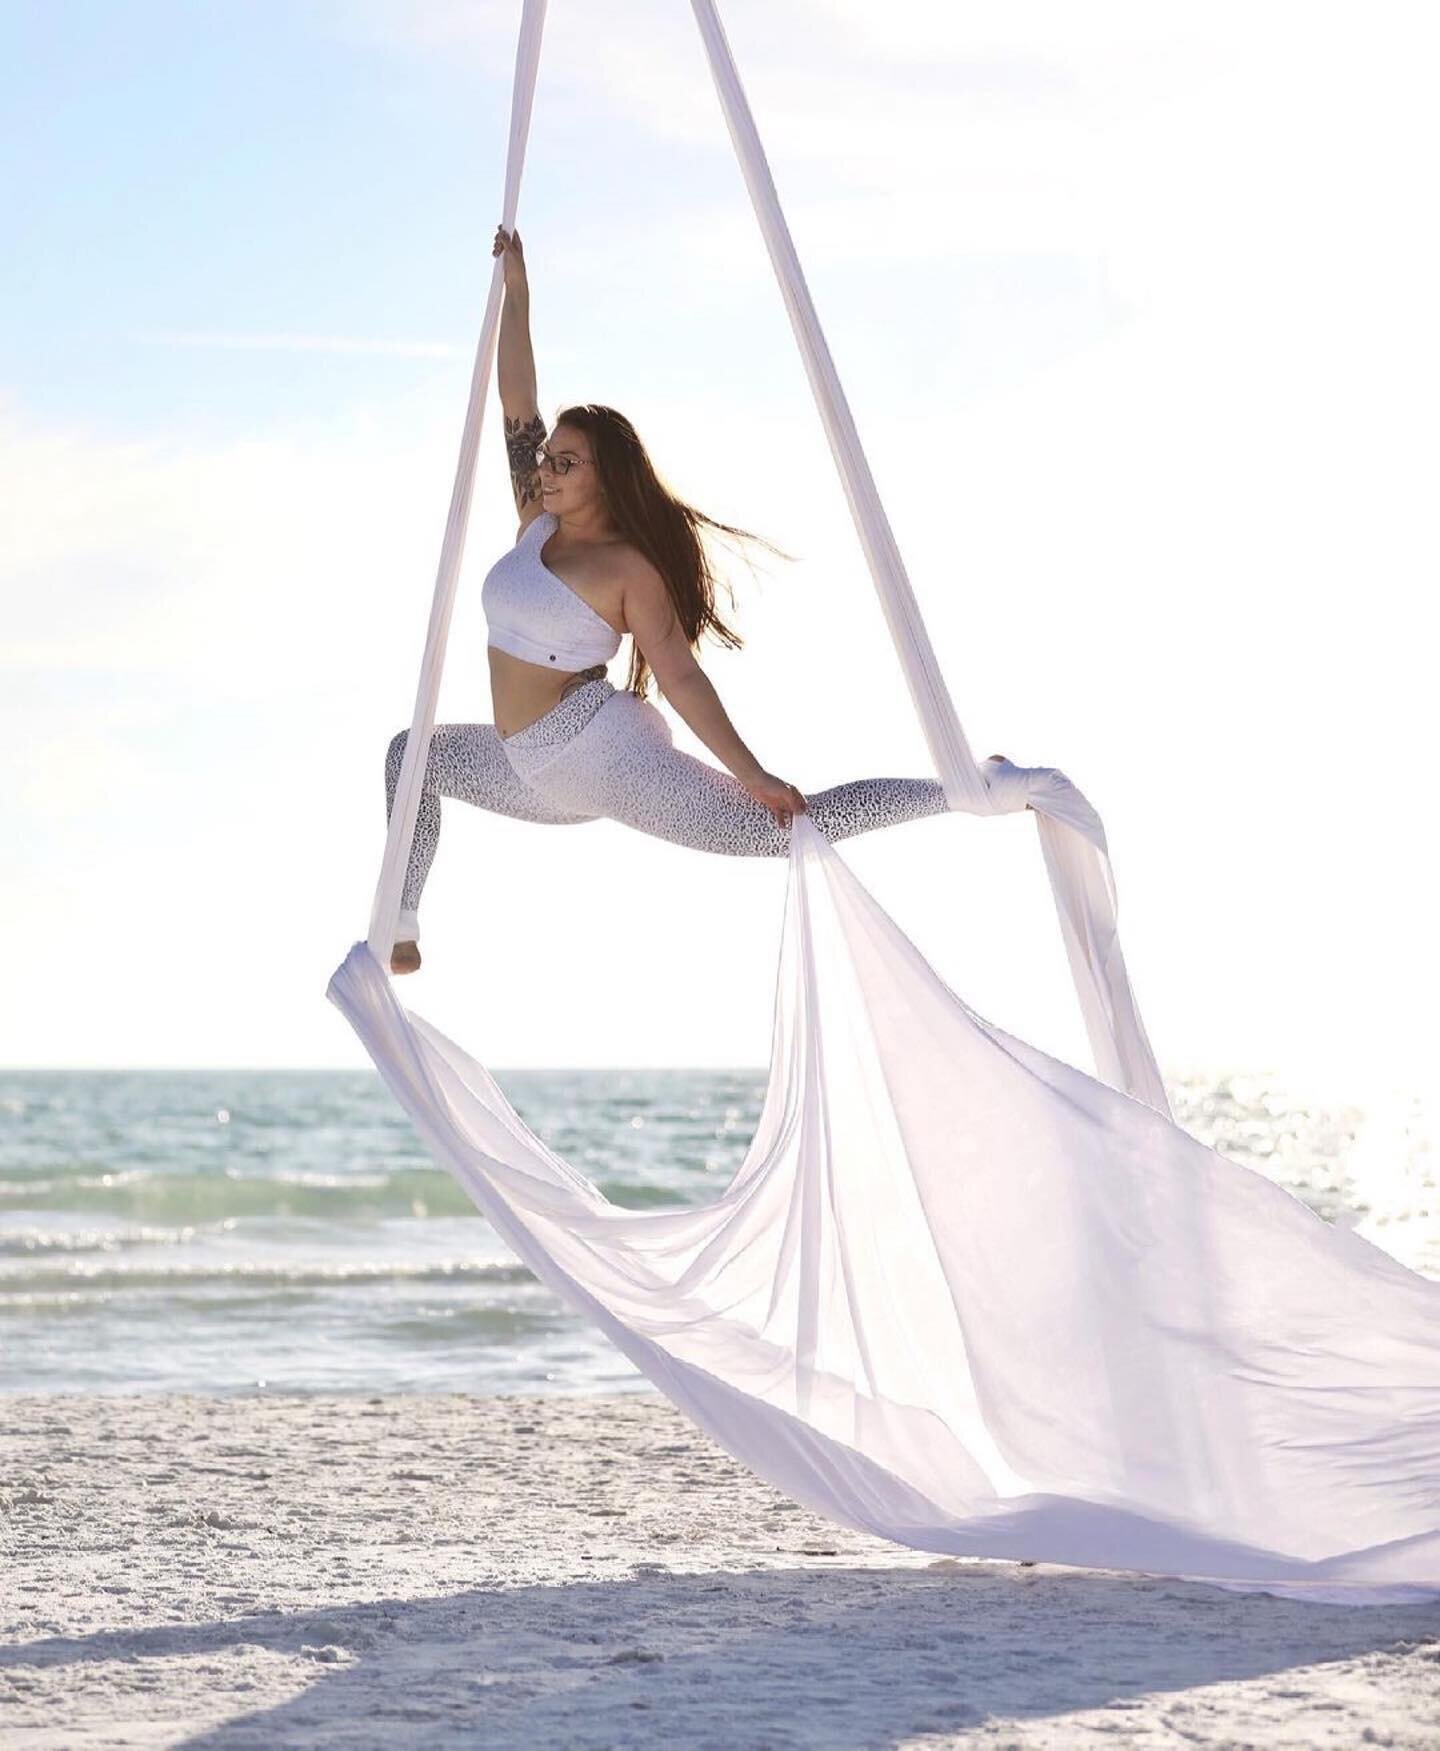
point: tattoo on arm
(521, 438)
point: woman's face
(577, 489)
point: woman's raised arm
(524, 428)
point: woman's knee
(395, 755)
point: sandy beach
(407, 1570)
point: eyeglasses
(561, 464)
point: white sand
(432, 1571)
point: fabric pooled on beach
(967, 1297)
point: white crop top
(535, 615)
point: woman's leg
(465, 761)
(672, 795)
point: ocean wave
(82, 1277)
(27, 1242)
(197, 1198)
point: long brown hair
(660, 525)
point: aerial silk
(959, 1293)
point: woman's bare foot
(405, 957)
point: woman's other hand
(782, 800)
(508, 243)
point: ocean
(235, 1231)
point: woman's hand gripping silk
(782, 799)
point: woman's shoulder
(529, 517)
(630, 567)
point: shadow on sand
(843, 1656)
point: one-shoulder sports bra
(535, 615)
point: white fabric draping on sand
(961, 1294)
(965, 1296)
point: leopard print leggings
(603, 753)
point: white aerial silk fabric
(963, 1295)
(1071, 834)
(960, 1294)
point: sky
(1134, 307)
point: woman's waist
(522, 694)
(558, 718)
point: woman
(605, 550)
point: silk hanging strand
(1072, 838)
(385, 910)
